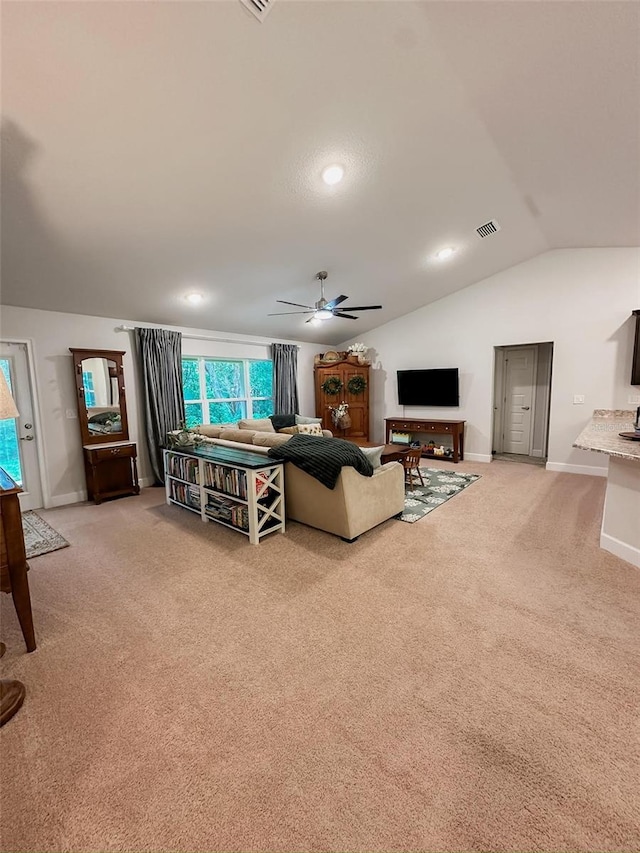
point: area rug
(40, 537)
(439, 487)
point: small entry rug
(40, 537)
(439, 487)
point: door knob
(526, 408)
(26, 438)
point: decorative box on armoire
(109, 457)
(344, 375)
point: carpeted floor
(466, 683)
(39, 537)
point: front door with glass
(18, 445)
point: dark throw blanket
(322, 458)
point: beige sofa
(354, 506)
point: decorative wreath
(332, 385)
(356, 384)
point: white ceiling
(153, 148)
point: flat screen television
(438, 387)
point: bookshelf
(235, 488)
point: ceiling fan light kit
(324, 310)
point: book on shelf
(183, 467)
(185, 493)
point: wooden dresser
(13, 559)
(111, 470)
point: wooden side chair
(411, 463)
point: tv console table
(420, 427)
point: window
(89, 393)
(220, 391)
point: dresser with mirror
(109, 457)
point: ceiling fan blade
(287, 313)
(348, 316)
(297, 304)
(335, 302)
(360, 308)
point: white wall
(580, 299)
(52, 333)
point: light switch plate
(578, 399)
(71, 414)
(634, 399)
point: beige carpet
(470, 682)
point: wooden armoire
(344, 369)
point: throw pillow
(209, 430)
(281, 421)
(373, 454)
(267, 439)
(291, 430)
(257, 424)
(301, 419)
(245, 436)
(310, 429)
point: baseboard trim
(81, 497)
(63, 500)
(620, 549)
(477, 457)
(590, 470)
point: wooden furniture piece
(12, 695)
(111, 470)
(109, 457)
(343, 370)
(235, 488)
(419, 429)
(410, 463)
(390, 452)
(13, 560)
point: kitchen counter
(601, 434)
(620, 533)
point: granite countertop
(601, 434)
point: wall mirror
(102, 406)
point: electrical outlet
(71, 414)
(578, 399)
(634, 399)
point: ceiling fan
(323, 310)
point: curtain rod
(206, 338)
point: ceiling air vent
(258, 8)
(487, 229)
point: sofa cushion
(373, 454)
(309, 429)
(267, 439)
(301, 419)
(281, 421)
(210, 430)
(243, 435)
(257, 424)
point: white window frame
(204, 401)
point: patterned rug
(40, 537)
(439, 487)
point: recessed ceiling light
(445, 253)
(194, 298)
(333, 175)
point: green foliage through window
(222, 391)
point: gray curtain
(160, 359)
(285, 378)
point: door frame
(37, 419)
(499, 388)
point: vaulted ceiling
(152, 149)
